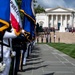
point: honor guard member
(4, 48)
(17, 43)
(8, 14)
(29, 18)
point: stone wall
(62, 37)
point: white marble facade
(58, 17)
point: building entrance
(59, 24)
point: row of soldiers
(17, 35)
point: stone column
(66, 19)
(52, 21)
(71, 20)
(61, 20)
(56, 20)
(49, 20)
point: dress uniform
(4, 25)
(6, 59)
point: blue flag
(29, 18)
(33, 30)
(4, 14)
(4, 21)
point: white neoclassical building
(59, 18)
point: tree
(35, 2)
(39, 9)
(19, 3)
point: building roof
(59, 9)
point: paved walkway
(46, 60)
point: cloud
(70, 3)
(52, 3)
(55, 3)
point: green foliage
(19, 3)
(34, 1)
(39, 9)
(68, 49)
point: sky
(56, 3)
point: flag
(29, 18)
(4, 23)
(4, 14)
(15, 17)
(33, 23)
(33, 31)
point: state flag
(15, 17)
(29, 17)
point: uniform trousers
(6, 60)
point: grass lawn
(68, 49)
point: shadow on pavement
(34, 68)
(49, 74)
(33, 59)
(32, 63)
(35, 55)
